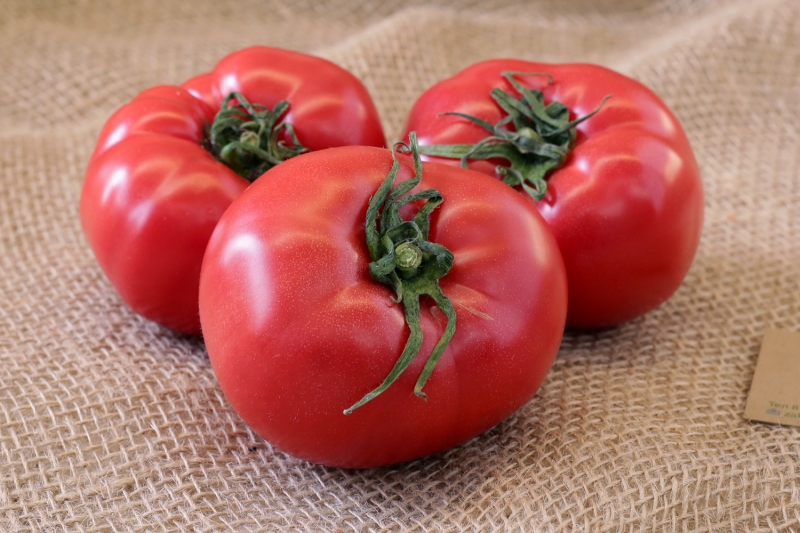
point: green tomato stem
(539, 143)
(403, 258)
(247, 137)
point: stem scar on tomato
(541, 139)
(248, 137)
(404, 259)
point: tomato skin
(165, 110)
(201, 88)
(149, 203)
(148, 208)
(627, 206)
(297, 330)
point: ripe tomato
(625, 204)
(298, 330)
(154, 190)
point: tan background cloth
(109, 423)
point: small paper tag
(775, 391)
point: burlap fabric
(110, 423)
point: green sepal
(384, 237)
(539, 143)
(247, 137)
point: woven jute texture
(110, 423)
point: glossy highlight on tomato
(298, 330)
(626, 206)
(154, 190)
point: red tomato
(626, 207)
(297, 330)
(154, 192)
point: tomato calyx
(404, 259)
(250, 138)
(541, 138)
